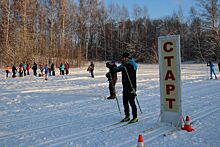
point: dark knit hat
(125, 54)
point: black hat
(125, 54)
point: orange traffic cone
(187, 125)
(140, 141)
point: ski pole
(118, 105)
(138, 104)
(133, 90)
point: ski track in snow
(67, 123)
(154, 134)
(163, 130)
(49, 115)
(57, 122)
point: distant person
(7, 71)
(46, 71)
(67, 68)
(91, 69)
(28, 69)
(24, 68)
(21, 70)
(112, 78)
(212, 69)
(41, 70)
(34, 68)
(52, 68)
(14, 71)
(62, 68)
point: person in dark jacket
(112, 78)
(34, 68)
(14, 70)
(91, 69)
(52, 68)
(128, 68)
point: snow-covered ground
(71, 110)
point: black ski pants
(92, 74)
(112, 88)
(129, 98)
(35, 72)
(7, 72)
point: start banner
(170, 79)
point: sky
(71, 110)
(158, 8)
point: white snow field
(71, 110)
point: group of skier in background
(43, 70)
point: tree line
(75, 31)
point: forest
(76, 31)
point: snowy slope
(71, 110)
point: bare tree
(210, 22)
(194, 46)
(4, 48)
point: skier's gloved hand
(123, 63)
(134, 93)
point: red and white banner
(170, 79)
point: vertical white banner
(170, 79)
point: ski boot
(134, 120)
(127, 118)
(111, 97)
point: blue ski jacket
(131, 67)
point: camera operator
(112, 78)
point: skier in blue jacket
(46, 70)
(62, 67)
(128, 68)
(212, 69)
